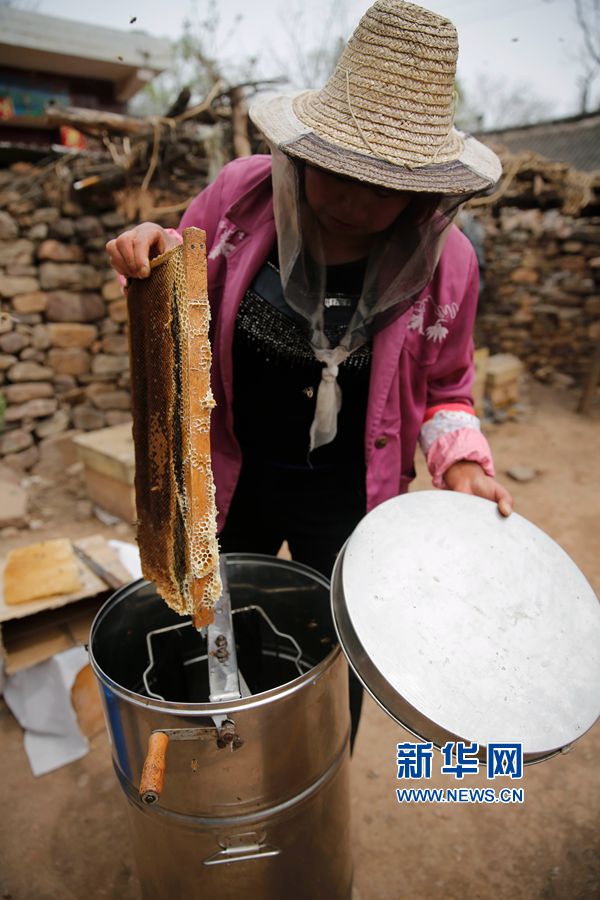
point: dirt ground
(65, 835)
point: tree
(492, 103)
(200, 58)
(587, 13)
(313, 41)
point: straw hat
(386, 114)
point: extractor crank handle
(153, 773)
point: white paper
(40, 700)
(129, 556)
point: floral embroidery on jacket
(226, 240)
(438, 331)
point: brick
(12, 342)
(29, 390)
(66, 306)
(17, 268)
(593, 331)
(524, 276)
(8, 474)
(45, 214)
(105, 364)
(117, 417)
(11, 286)
(38, 232)
(71, 334)
(56, 251)
(20, 251)
(6, 322)
(64, 383)
(54, 424)
(503, 395)
(88, 227)
(7, 360)
(109, 451)
(14, 441)
(110, 494)
(31, 302)
(87, 418)
(9, 229)
(13, 509)
(29, 371)
(40, 338)
(69, 361)
(32, 409)
(23, 460)
(115, 343)
(113, 220)
(57, 452)
(71, 208)
(480, 358)
(502, 368)
(30, 353)
(28, 318)
(112, 290)
(111, 400)
(107, 326)
(77, 277)
(118, 311)
(62, 229)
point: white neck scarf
(329, 397)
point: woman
(342, 297)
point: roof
(575, 141)
(129, 59)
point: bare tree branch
(587, 13)
(309, 55)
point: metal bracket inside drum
(226, 682)
(223, 676)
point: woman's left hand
(469, 478)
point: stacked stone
(541, 299)
(63, 327)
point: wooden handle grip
(153, 773)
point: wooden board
(28, 641)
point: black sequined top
(276, 375)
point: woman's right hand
(131, 252)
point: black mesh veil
(401, 262)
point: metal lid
(464, 625)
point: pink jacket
(421, 362)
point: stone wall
(63, 327)
(541, 294)
(63, 321)
(64, 364)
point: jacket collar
(255, 207)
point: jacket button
(380, 442)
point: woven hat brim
(475, 170)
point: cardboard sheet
(33, 632)
(96, 547)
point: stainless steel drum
(464, 625)
(255, 801)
